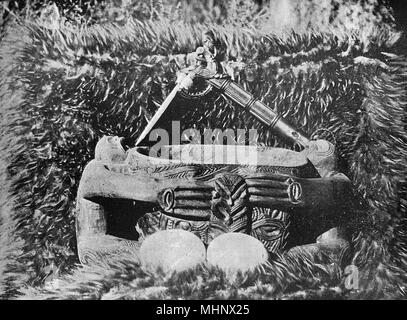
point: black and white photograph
(203, 150)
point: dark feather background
(63, 89)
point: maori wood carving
(274, 198)
(207, 199)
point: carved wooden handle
(258, 109)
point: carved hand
(285, 192)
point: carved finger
(270, 201)
(269, 177)
(269, 192)
(193, 194)
(192, 204)
(265, 183)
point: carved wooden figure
(283, 198)
(280, 198)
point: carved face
(229, 199)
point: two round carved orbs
(180, 250)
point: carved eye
(215, 194)
(272, 230)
